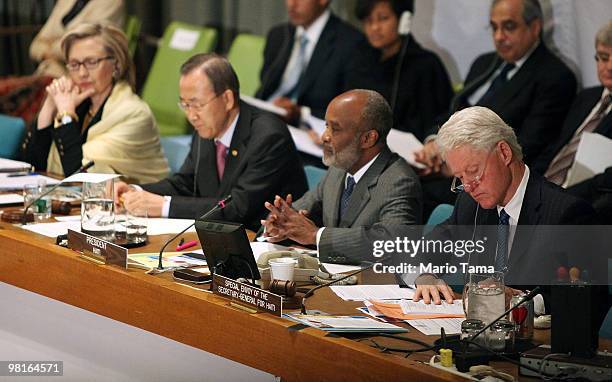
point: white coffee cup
(282, 268)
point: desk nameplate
(245, 294)
(97, 249)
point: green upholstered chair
(161, 89)
(246, 56)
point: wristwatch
(65, 118)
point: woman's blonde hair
(115, 44)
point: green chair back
(161, 89)
(246, 56)
(313, 176)
(132, 32)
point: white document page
(184, 39)
(263, 105)
(411, 307)
(372, 292)
(304, 143)
(11, 199)
(10, 165)
(405, 145)
(594, 155)
(17, 182)
(431, 327)
(90, 177)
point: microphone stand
(83, 168)
(219, 206)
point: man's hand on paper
(429, 287)
(293, 110)
(284, 222)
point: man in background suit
(305, 61)
(498, 189)
(236, 149)
(368, 193)
(590, 112)
(522, 81)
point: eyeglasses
(602, 57)
(195, 106)
(457, 186)
(88, 63)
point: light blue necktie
(503, 231)
(294, 77)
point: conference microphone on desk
(83, 168)
(355, 273)
(221, 204)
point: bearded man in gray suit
(367, 194)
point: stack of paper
(372, 292)
(431, 327)
(8, 182)
(410, 310)
(9, 165)
(345, 324)
(169, 260)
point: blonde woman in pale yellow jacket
(45, 47)
(93, 114)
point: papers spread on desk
(431, 327)
(594, 155)
(155, 226)
(410, 310)
(11, 199)
(345, 324)
(90, 177)
(372, 292)
(17, 182)
(405, 145)
(9, 165)
(303, 142)
(169, 260)
(263, 105)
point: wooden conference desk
(205, 321)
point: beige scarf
(125, 140)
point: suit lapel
(320, 54)
(278, 68)
(361, 194)
(237, 150)
(530, 216)
(519, 81)
(209, 183)
(335, 189)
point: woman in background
(424, 89)
(93, 113)
(22, 96)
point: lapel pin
(234, 153)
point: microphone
(83, 168)
(403, 29)
(354, 273)
(529, 296)
(221, 204)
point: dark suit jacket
(325, 76)
(266, 164)
(424, 91)
(582, 106)
(386, 199)
(537, 252)
(534, 102)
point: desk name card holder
(97, 250)
(247, 297)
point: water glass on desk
(41, 208)
(97, 210)
(136, 225)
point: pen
(188, 244)
(16, 174)
(265, 238)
